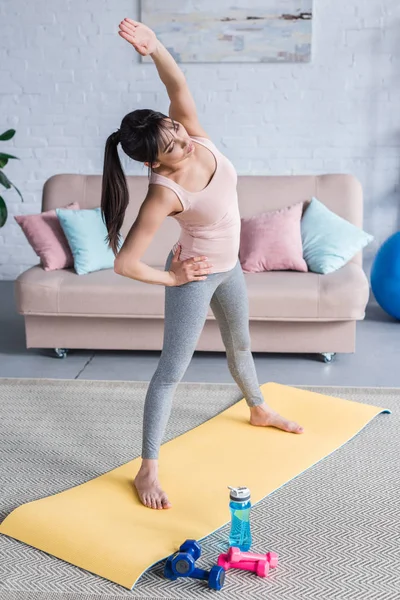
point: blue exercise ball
(385, 276)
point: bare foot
(263, 416)
(149, 490)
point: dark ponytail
(114, 192)
(142, 138)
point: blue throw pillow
(86, 231)
(329, 241)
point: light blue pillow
(329, 241)
(86, 231)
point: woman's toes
(296, 428)
(165, 502)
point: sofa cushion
(273, 295)
(47, 238)
(86, 233)
(329, 241)
(271, 241)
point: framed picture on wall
(237, 31)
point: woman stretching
(193, 182)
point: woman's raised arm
(145, 42)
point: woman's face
(175, 147)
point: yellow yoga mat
(101, 526)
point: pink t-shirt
(210, 222)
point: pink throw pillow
(271, 241)
(47, 238)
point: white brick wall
(67, 79)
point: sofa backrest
(340, 193)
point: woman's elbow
(121, 267)
(117, 267)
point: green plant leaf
(7, 135)
(4, 159)
(3, 212)
(7, 183)
(4, 180)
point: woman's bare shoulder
(164, 196)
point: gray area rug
(335, 526)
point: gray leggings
(186, 308)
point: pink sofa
(289, 311)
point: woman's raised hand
(142, 38)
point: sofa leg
(61, 352)
(328, 356)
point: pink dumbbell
(260, 567)
(235, 555)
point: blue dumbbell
(182, 564)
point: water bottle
(240, 505)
